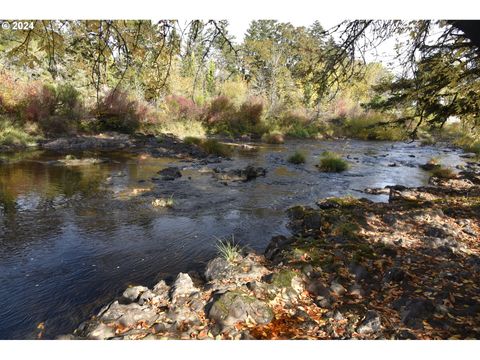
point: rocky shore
(352, 269)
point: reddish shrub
(121, 112)
(39, 102)
(182, 107)
(220, 110)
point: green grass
(297, 158)
(331, 162)
(229, 250)
(193, 140)
(12, 134)
(214, 147)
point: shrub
(39, 103)
(181, 108)
(12, 134)
(235, 90)
(273, 138)
(121, 112)
(192, 140)
(331, 162)
(213, 147)
(297, 158)
(69, 102)
(443, 173)
(369, 126)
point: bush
(192, 140)
(213, 147)
(369, 126)
(297, 158)
(69, 102)
(120, 111)
(444, 173)
(12, 134)
(181, 108)
(273, 138)
(331, 162)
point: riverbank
(406, 269)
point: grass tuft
(163, 202)
(229, 250)
(331, 162)
(297, 158)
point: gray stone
(218, 268)
(128, 315)
(232, 307)
(370, 324)
(132, 294)
(101, 332)
(183, 287)
(337, 288)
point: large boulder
(233, 307)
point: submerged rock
(243, 175)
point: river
(71, 238)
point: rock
(394, 274)
(356, 290)
(389, 219)
(276, 246)
(101, 332)
(376, 191)
(317, 288)
(370, 324)
(469, 231)
(429, 166)
(326, 204)
(247, 174)
(312, 220)
(132, 294)
(392, 164)
(337, 288)
(217, 268)
(145, 297)
(128, 315)
(170, 173)
(232, 307)
(436, 232)
(359, 271)
(414, 311)
(182, 287)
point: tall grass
(297, 158)
(12, 134)
(228, 249)
(332, 162)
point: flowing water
(73, 237)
